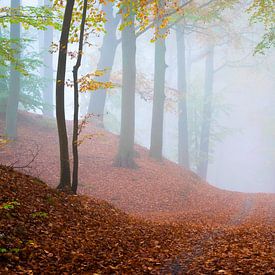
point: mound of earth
(45, 231)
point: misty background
(242, 147)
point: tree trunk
(76, 100)
(65, 177)
(207, 114)
(4, 86)
(156, 144)
(125, 156)
(183, 154)
(14, 81)
(48, 69)
(106, 61)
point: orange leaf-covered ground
(195, 227)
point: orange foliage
(196, 228)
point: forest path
(182, 264)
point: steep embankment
(44, 231)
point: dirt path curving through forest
(182, 264)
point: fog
(242, 159)
(242, 148)
(137, 137)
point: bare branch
(34, 155)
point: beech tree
(194, 12)
(125, 156)
(181, 32)
(76, 100)
(130, 10)
(106, 61)
(169, 19)
(48, 90)
(183, 148)
(141, 11)
(207, 113)
(14, 81)
(159, 84)
(65, 174)
(3, 83)
(18, 16)
(70, 27)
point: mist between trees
(193, 81)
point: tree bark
(76, 99)
(48, 69)
(14, 81)
(106, 61)
(65, 177)
(207, 114)
(156, 144)
(183, 154)
(125, 156)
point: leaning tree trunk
(76, 100)
(106, 61)
(14, 81)
(207, 114)
(156, 144)
(125, 156)
(48, 69)
(65, 177)
(183, 154)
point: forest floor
(165, 220)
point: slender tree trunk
(48, 69)
(125, 156)
(106, 61)
(183, 154)
(14, 81)
(76, 100)
(65, 177)
(156, 144)
(207, 114)
(3, 86)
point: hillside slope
(156, 190)
(44, 231)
